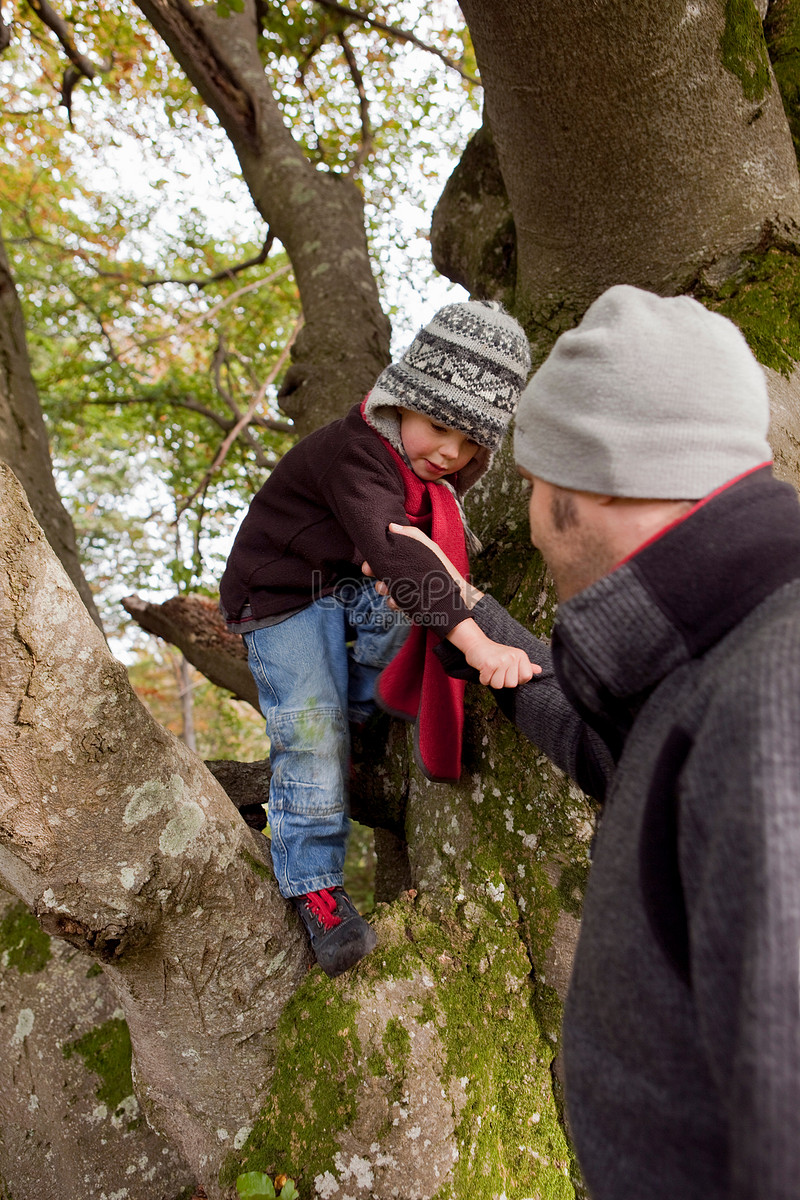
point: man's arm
(364, 491)
(539, 708)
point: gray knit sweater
(673, 694)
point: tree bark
(318, 216)
(23, 437)
(121, 842)
(70, 1125)
(649, 147)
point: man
(671, 692)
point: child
(318, 635)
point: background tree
(430, 1070)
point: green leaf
(255, 1185)
(289, 1191)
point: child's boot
(340, 937)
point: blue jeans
(315, 673)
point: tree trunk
(318, 216)
(23, 437)
(649, 147)
(121, 842)
(71, 1125)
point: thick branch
(122, 843)
(317, 217)
(194, 624)
(23, 436)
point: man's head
(464, 371)
(649, 404)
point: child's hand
(499, 666)
(503, 666)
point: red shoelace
(323, 906)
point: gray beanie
(649, 397)
(466, 369)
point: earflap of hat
(475, 469)
(380, 411)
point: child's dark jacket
(323, 511)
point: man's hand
(499, 666)
(470, 595)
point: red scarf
(415, 685)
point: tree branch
(206, 314)
(226, 272)
(244, 420)
(394, 31)
(62, 31)
(80, 64)
(5, 35)
(192, 405)
(198, 281)
(367, 144)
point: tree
(23, 438)
(429, 1071)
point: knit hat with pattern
(651, 397)
(465, 369)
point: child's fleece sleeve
(365, 493)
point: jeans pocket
(266, 693)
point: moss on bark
(744, 51)
(763, 299)
(106, 1050)
(23, 943)
(782, 33)
(313, 1092)
(467, 981)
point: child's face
(434, 450)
